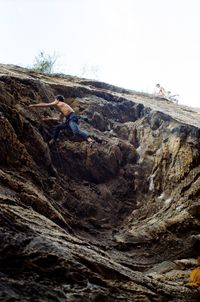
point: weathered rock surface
(117, 221)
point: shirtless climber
(160, 91)
(67, 113)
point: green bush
(44, 63)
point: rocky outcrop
(115, 221)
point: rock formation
(116, 221)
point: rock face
(115, 221)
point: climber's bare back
(64, 108)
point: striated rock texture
(117, 221)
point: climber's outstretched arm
(44, 105)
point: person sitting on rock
(171, 97)
(160, 91)
(71, 119)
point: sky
(133, 44)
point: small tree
(44, 63)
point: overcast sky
(130, 43)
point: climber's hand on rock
(31, 106)
(46, 119)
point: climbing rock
(115, 221)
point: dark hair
(60, 98)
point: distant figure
(71, 119)
(171, 97)
(160, 91)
